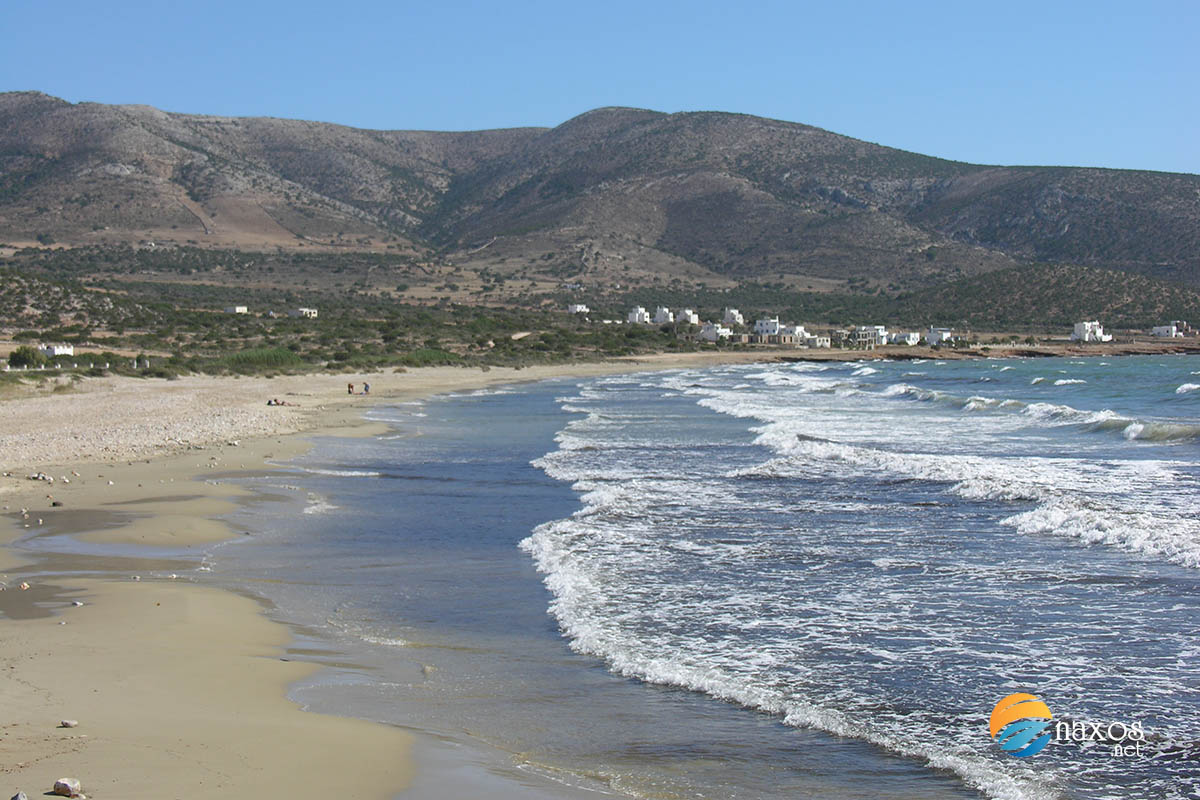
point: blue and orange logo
(1019, 724)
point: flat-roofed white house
(663, 315)
(639, 316)
(1090, 332)
(577, 308)
(53, 350)
(794, 330)
(306, 313)
(910, 338)
(711, 332)
(767, 327)
(688, 316)
(818, 341)
(869, 336)
(733, 317)
(938, 335)
(1167, 331)
(237, 310)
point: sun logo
(1018, 723)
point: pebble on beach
(69, 723)
(67, 787)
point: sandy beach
(178, 689)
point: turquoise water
(766, 580)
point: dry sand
(179, 689)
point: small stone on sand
(67, 787)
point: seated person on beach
(366, 388)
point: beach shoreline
(178, 686)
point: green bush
(26, 356)
(258, 359)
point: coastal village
(734, 329)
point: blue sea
(753, 581)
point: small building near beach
(766, 327)
(663, 315)
(639, 316)
(1166, 331)
(1091, 331)
(306, 313)
(577, 308)
(237, 310)
(911, 338)
(711, 332)
(688, 317)
(938, 336)
(733, 317)
(52, 350)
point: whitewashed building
(767, 327)
(1090, 332)
(577, 308)
(306, 313)
(1166, 331)
(818, 341)
(938, 335)
(639, 316)
(53, 350)
(663, 315)
(911, 338)
(236, 310)
(689, 317)
(711, 332)
(794, 330)
(733, 317)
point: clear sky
(1094, 83)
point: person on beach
(366, 388)
(349, 388)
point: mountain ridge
(611, 194)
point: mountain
(616, 194)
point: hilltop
(614, 196)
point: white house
(577, 308)
(1167, 331)
(663, 315)
(1090, 332)
(794, 330)
(938, 335)
(711, 332)
(767, 327)
(733, 317)
(236, 310)
(53, 350)
(869, 336)
(307, 313)
(689, 317)
(911, 338)
(818, 341)
(639, 316)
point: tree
(26, 356)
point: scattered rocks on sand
(67, 787)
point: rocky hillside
(614, 195)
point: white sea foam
(1187, 387)
(1068, 381)
(344, 473)
(318, 505)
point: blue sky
(1096, 84)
